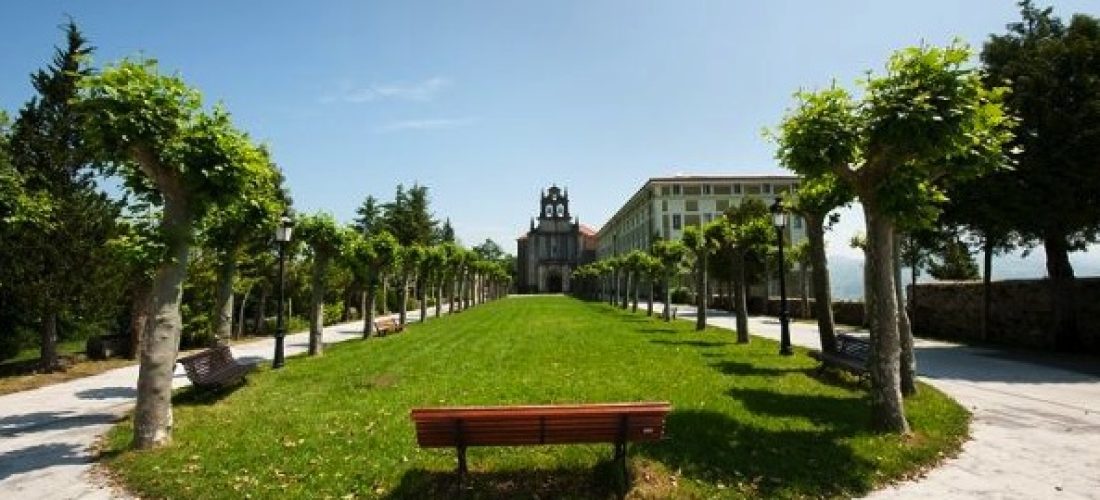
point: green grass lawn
(746, 422)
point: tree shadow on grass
(601, 481)
(201, 396)
(692, 343)
(665, 330)
(716, 448)
(736, 368)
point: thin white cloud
(422, 91)
(426, 124)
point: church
(555, 245)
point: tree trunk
(908, 361)
(239, 332)
(668, 298)
(385, 296)
(823, 295)
(141, 304)
(153, 411)
(404, 314)
(223, 306)
(987, 289)
(867, 286)
(649, 306)
(624, 299)
(453, 293)
(803, 290)
(422, 293)
(1063, 301)
(439, 295)
(368, 315)
(701, 294)
(47, 349)
(317, 305)
(740, 297)
(887, 405)
(345, 311)
(637, 284)
(261, 314)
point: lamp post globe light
(282, 238)
(779, 220)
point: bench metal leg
(620, 446)
(462, 470)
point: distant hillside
(846, 271)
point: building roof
(588, 230)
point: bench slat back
(388, 323)
(532, 425)
(854, 347)
(203, 365)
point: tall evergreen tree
(58, 283)
(1053, 70)
(368, 216)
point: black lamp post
(282, 237)
(779, 220)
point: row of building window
(693, 205)
(678, 221)
(727, 189)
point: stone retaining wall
(1020, 313)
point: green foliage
(928, 117)
(822, 132)
(54, 261)
(954, 262)
(670, 254)
(1051, 68)
(321, 233)
(368, 216)
(369, 258)
(408, 216)
(152, 130)
(820, 195)
(750, 227)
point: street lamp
(282, 237)
(779, 220)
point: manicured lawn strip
(746, 422)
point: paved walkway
(1036, 427)
(45, 433)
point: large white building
(664, 206)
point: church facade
(555, 245)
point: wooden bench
(852, 355)
(616, 423)
(214, 367)
(389, 324)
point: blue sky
(487, 102)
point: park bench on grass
(852, 355)
(616, 423)
(389, 324)
(214, 367)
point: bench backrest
(386, 323)
(530, 425)
(852, 346)
(202, 365)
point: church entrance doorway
(553, 282)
